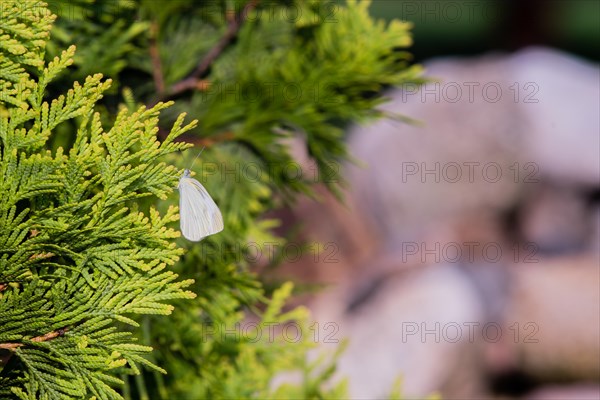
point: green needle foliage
(91, 262)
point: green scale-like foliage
(78, 258)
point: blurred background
(466, 256)
(479, 26)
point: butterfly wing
(198, 213)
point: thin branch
(3, 286)
(157, 73)
(202, 141)
(193, 81)
(43, 338)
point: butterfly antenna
(193, 162)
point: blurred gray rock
(415, 327)
(475, 158)
(457, 162)
(492, 127)
(564, 129)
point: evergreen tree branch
(42, 338)
(193, 81)
(87, 253)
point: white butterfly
(199, 215)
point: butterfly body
(199, 215)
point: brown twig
(3, 286)
(43, 338)
(207, 141)
(157, 73)
(193, 81)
